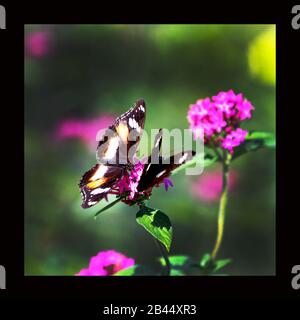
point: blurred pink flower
(38, 43)
(208, 186)
(106, 263)
(85, 130)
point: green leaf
(255, 140)
(209, 159)
(176, 272)
(157, 224)
(219, 264)
(208, 265)
(206, 261)
(109, 205)
(180, 265)
(178, 261)
(136, 270)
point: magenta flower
(217, 119)
(38, 44)
(245, 109)
(106, 263)
(234, 139)
(130, 181)
(85, 130)
(208, 186)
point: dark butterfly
(96, 183)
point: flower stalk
(222, 205)
(167, 270)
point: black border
(149, 289)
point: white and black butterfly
(100, 180)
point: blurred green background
(86, 71)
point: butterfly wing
(157, 168)
(121, 140)
(155, 153)
(154, 174)
(97, 182)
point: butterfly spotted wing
(99, 180)
(120, 141)
(154, 173)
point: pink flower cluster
(217, 119)
(129, 182)
(106, 263)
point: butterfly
(116, 153)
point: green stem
(222, 205)
(164, 253)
